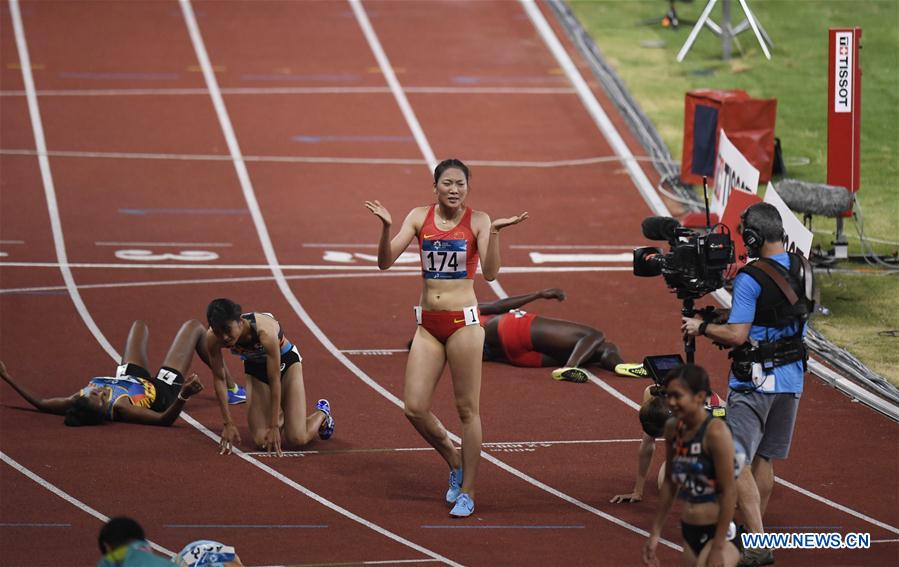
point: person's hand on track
(379, 211)
(631, 498)
(649, 550)
(230, 437)
(552, 293)
(271, 442)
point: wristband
(180, 397)
(702, 327)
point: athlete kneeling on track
(133, 394)
(654, 413)
(700, 458)
(274, 376)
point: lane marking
(649, 195)
(12, 242)
(574, 246)
(499, 445)
(26, 525)
(249, 526)
(334, 276)
(167, 244)
(183, 211)
(387, 70)
(502, 527)
(542, 257)
(551, 164)
(299, 91)
(300, 267)
(270, 256)
(58, 491)
(596, 112)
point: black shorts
(697, 536)
(167, 383)
(258, 370)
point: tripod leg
(755, 28)
(695, 31)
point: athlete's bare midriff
(447, 295)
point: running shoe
(455, 485)
(756, 557)
(326, 429)
(237, 395)
(632, 370)
(571, 374)
(464, 506)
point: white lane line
(168, 244)
(296, 90)
(319, 159)
(833, 504)
(46, 175)
(499, 445)
(596, 112)
(12, 242)
(270, 256)
(648, 192)
(338, 276)
(573, 246)
(386, 69)
(65, 495)
(213, 157)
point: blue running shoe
(455, 485)
(464, 506)
(237, 396)
(326, 429)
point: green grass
(628, 34)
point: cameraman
(771, 302)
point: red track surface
(164, 477)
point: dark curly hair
(82, 413)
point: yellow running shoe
(571, 374)
(631, 369)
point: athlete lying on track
(132, 395)
(524, 339)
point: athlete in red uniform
(450, 236)
(524, 339)
(133, 394)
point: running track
(249, 133)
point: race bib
(444, 259)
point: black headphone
(752, 238)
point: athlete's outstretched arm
(46, 405)
(389, 250)
(136, 414)
(488, 239)
(516, 301)
(230, 434)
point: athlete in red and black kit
(524, 339)
(451, 237)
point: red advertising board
(844, 88)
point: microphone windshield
(659, 228)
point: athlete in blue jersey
(699, 468)
(132, 394)
(274, 372)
